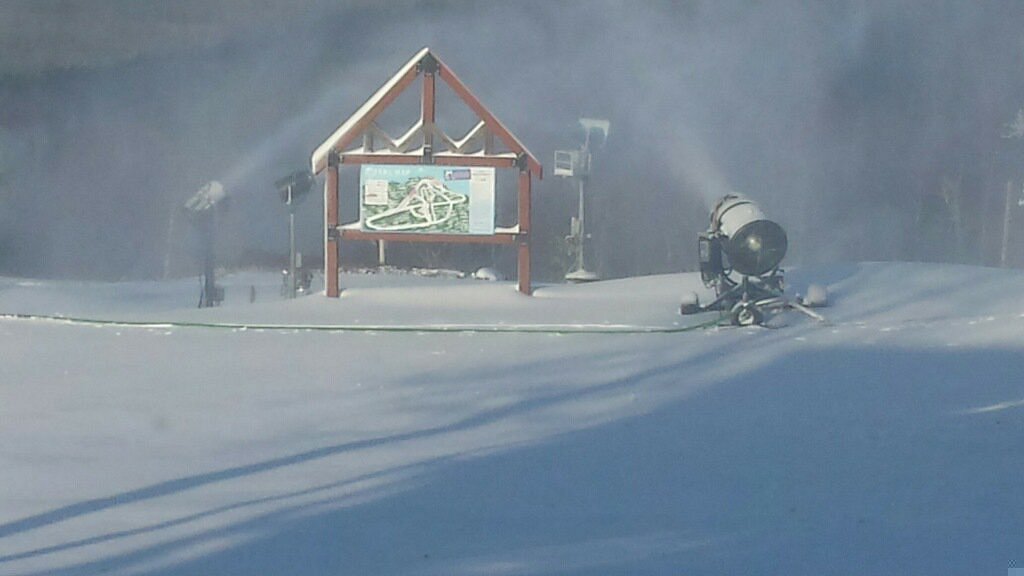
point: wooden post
(524, 233)
(524, 266)
(524, 201)
(331, 267)
(428, 110)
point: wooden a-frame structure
(359, 140)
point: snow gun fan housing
(740, 256)
(754, 245)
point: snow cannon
(740, 255)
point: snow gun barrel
(755, 245)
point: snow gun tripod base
(752, 299)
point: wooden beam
(363, 123)
(523, 259)
(353, 234)
(429, 110)
(361, 158)
(442, 160)
(493, 124)
(379, 107)
(499, 162)
(524, 201)
(331, 264)
(406, 140)
(523, 267)
(488, 140)
(471, 137)
(450, 145)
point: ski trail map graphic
(427, 199)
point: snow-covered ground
(888, 441)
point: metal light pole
(293, 189)
(580, 271)
(291, 243)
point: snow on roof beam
(495, 125)
(423, 62)
(368, 112)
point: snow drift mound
(885, 443)
(859, 292)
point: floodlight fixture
(293, 187)
(565, 163)
(596, 124)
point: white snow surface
(887, 441)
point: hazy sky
(841, 118)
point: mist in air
(869, 130)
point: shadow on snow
(842, 461)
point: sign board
(426, 199)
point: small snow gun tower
(203, 208)
(740, 256)
(575, 164)
(292, 189)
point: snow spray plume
(843, 119)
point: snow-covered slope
(885, 442)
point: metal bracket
(522, 162)
(428, 155)
(333, 233)
(333, 159)
(428, 65)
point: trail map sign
(424, 185)
(426, 199)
